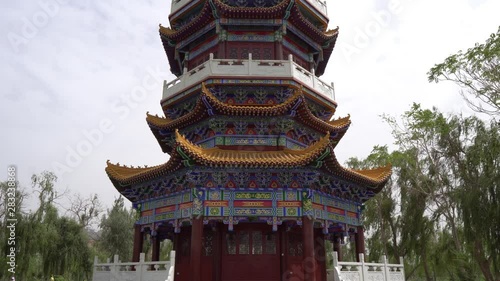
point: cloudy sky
(68, 69)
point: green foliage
(117, 230)
(440, 211)
(166, 247)
(478, 72)
(479, 196)
(48, 244)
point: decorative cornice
(374, 179)
(216, 157)
(319, 154)
(208, 105)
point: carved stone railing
(132, 271)
(246, 69)
(361, 271)
(320, 5)
(177, 4)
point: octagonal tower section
(252, 189)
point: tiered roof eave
(325, 38)
(188, 154)
(207, 102)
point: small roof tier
(280, 11)
(307, 27)
(187, 154)
(273, 12)
(374, 178)
(216, 157)
(200, 21)
(208, 105)
(286, 10)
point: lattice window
(256, 53)
(268, 54)
(243, 243)
(208, 243)
(185, 246)
(231, 243)
(233, 53)
(244, 53)
(294, 245)
(251, 243)
(256, 243)
(270, 242)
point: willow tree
(381, 214)
(479, 196)
(116, 228)
(47, 243)
(456, 172)
(396, 219)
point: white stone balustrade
(361, 271)
(134, 271)
(320, 5)
(177, 4)
(248, 69)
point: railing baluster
(367, 270)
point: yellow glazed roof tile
(221, 157)
(377, 175)
(340, 122)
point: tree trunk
(397, 254)
(483, 263)
(426, 266)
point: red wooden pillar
(278, 49)
(320, 254)
(156, 248)
(337, 248)
(309, 263)
(138, 241)
(218, 252)
(196, 247)
(360, 241)
(283, 250)
(222, 50)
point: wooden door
(183, 255)
(294, 256)
(320, 254)
(207, 254)
(250, 253)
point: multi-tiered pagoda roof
(251, 132)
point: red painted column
(360, 241)
(279, 50)
(309, 263)
(196, 247)
(283, 249)
(221, 52)
(218, 252)
(337, 248)
(138, 241)
(320, 254)
(156, 248)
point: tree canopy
(440, 210)
(477, 71)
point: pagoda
(252, 189)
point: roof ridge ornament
(214, 9)
(288, 10)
